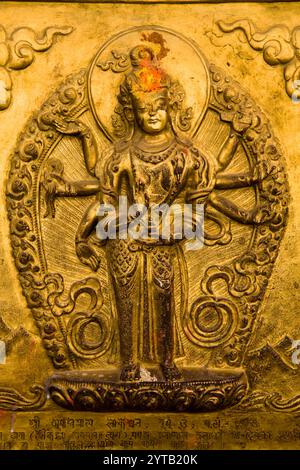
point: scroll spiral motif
(279, 46)
(246, 277)
(64, 341)
(17, 51)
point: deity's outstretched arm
(233, 181)
(54, 185)
(78, 188)
(88, 222)
(227, 152)
(233, 211)
(237, 180)
(85, 252)
(53, 181)
(89, 146)
(246, 179)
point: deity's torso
(169, 176)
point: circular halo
(183, 61)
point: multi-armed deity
(159, 158)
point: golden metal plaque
(149, 225)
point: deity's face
(151, 110)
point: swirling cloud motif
(17, 52)
(279, 46)
(5, 89)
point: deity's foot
(170, 371)
(130, 373)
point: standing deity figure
(151, 164)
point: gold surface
(257, 46)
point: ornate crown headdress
(144, 73)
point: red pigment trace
(150, 76)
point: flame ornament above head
(144, 72)
(146, 75)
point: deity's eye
(162, 104)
